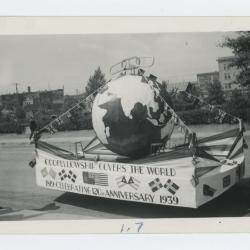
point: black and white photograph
(124, 126)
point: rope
(153, 83)
(212, 107)
(58, 120)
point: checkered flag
(63, 175)
(171, 187)
(155, 185)
(72, 176)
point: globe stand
(131, 64)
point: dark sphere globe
(129, 116)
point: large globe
(129, 116)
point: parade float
(131, 157)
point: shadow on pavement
(51, 206)
(12, 217)
(8, 214)
(234, 203)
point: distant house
(52, 98)
(228, 76)
(48, 101)
(28, 101)
(33, 100)
(204, 79)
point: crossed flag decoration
(70, 175)
(155, 185)
(154, 81)
(170, 186)
(219, 113)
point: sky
(53, 61)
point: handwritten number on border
(134, 228)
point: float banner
(165, 184)
(185, 182)
(176, 178)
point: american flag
(63, 175)
(99, 179)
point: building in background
(31, 102)
(228, 75)
(52, 99)
(9, 101)
(204, 79)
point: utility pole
(17, 95)
(16, 84)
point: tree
(20, 113)
(238, 105)
(215, 93)
(95, 81)
(69, 102)
(237, 100)
(241, 49)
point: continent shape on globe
(128, 116)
